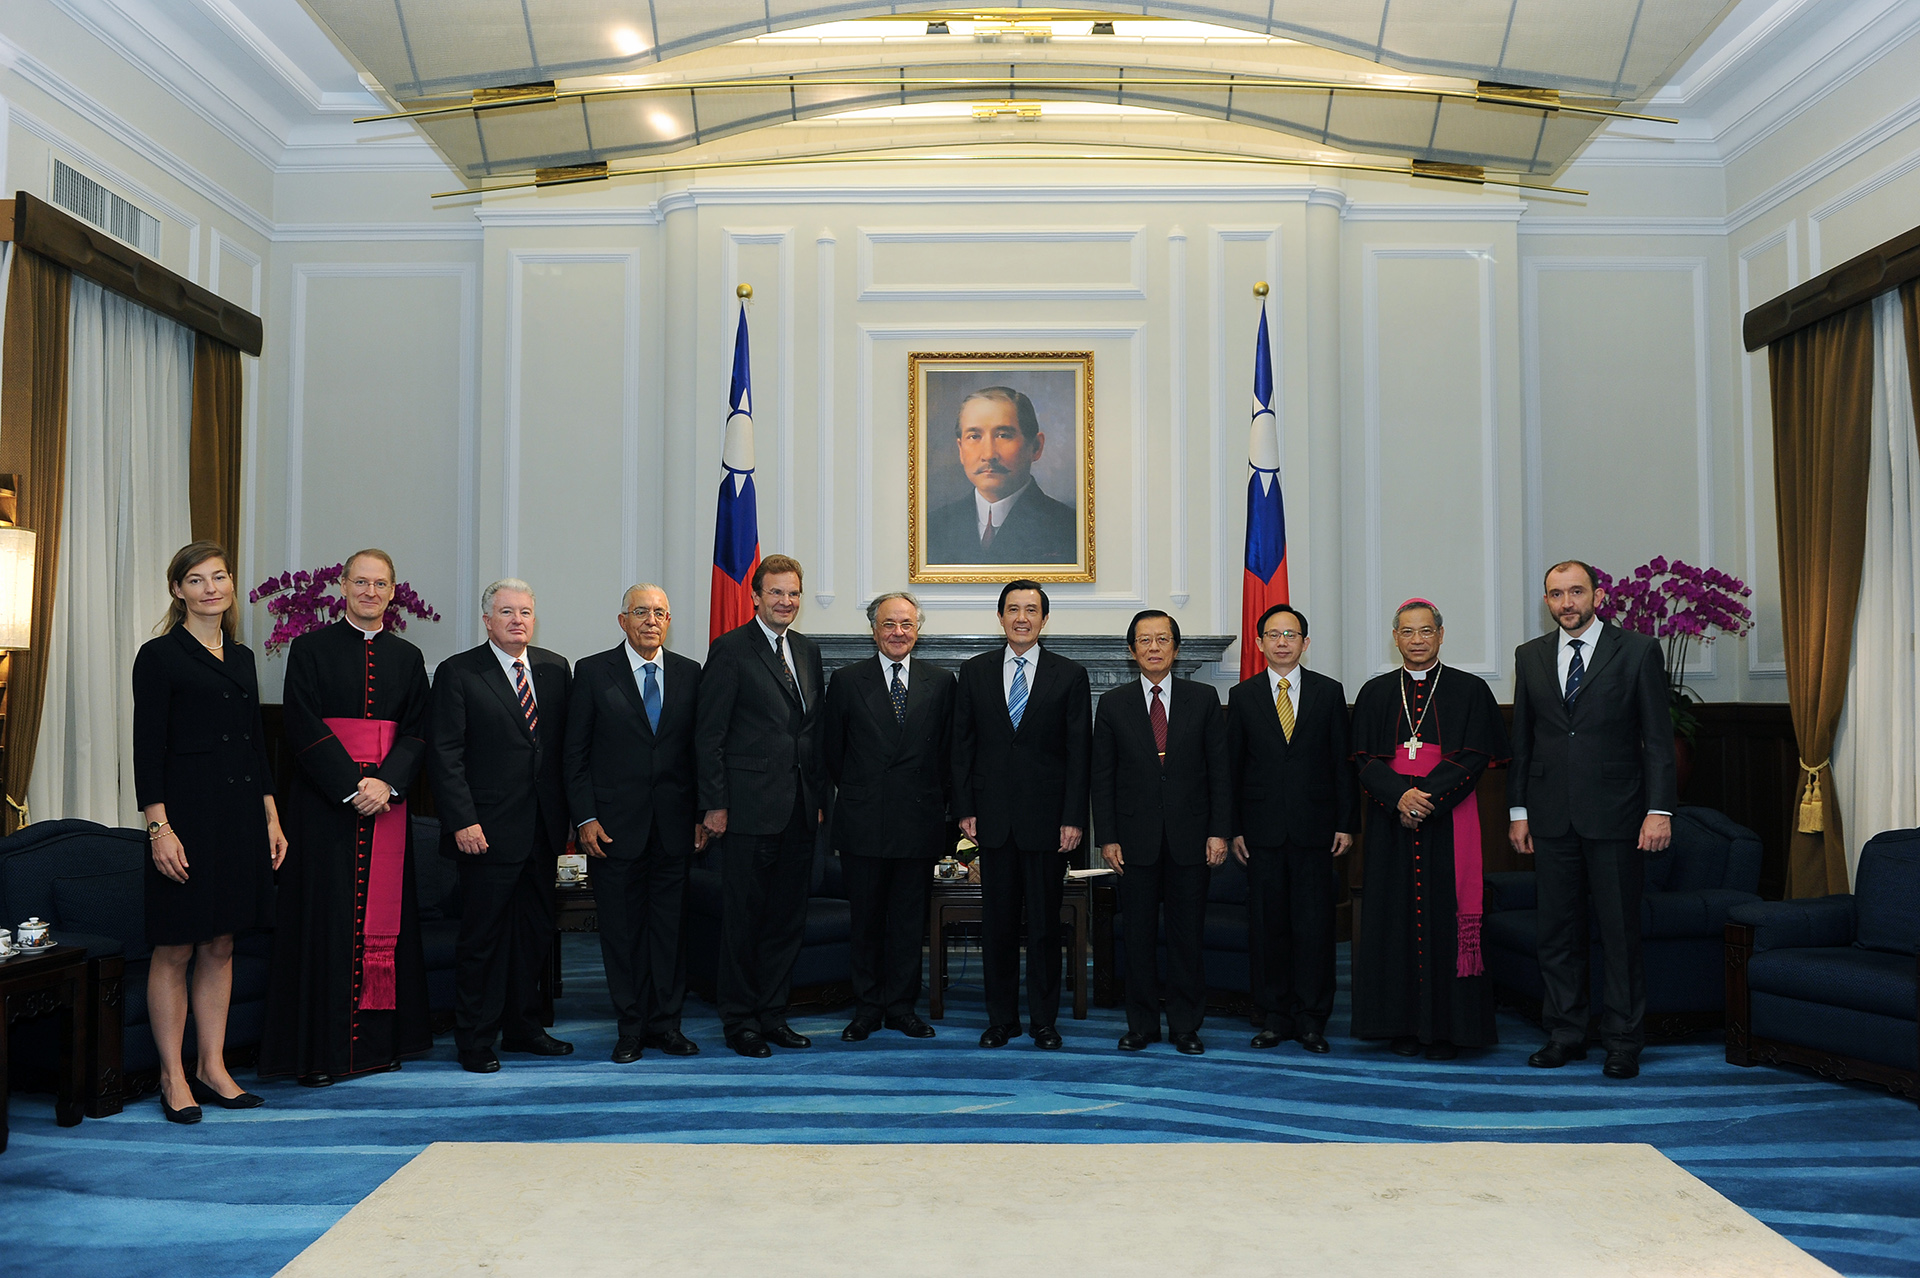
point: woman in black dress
(200, 771)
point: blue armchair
(1833, 983)
(1712, 867)
(822, 975)
(1225, 942)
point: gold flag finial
(1260, 289)
(744, 292)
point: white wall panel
(1004, 264)
(1767, 268)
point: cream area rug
(1486, 1210)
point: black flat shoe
(910, 1025)
(207, 1096)
(1189, 1045)
(544, 1044)
(997, 1035)
(189, 1115)
(1134, 1041)
(857, 1031)
(1406, 1046)
(674, 1043)
(1047, 1039)
(316, 1080)
(626, 1050)
(480, 1061)
(1268, 1038)
(786, 1036)
(1621, 1065)
(1313, 1041)
(1555, 1054)
(749, 1043)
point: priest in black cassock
(1422, 736)
(348, 992)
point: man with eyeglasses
(763, 785)
(888, 745)
(1422, 735)
(630, 785)
(1296, 808)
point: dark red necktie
(525, 693)
(1157, 716)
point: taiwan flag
(1265, 583)
(736, 525)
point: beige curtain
(213, 483)
(1910, 304)
(1822, 384)
(33, 446)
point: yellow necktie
(1284, 704)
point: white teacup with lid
(34, 934)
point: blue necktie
(1576, 671)
(650, 697)
(898, 693)
(1017, 695)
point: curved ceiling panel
(1615, 49)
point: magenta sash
(367, 741)
(1467, 883)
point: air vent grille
(87, 200)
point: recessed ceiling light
(628, 43)
(663, 124)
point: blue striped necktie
(1576, 671)
(525, 692)
(1017, 695)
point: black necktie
(1576, 671)
(898, 691)
(786, 671)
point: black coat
(1021, 787)
(620, 771)
(1598, 772)
(199, 748)
(486, 768)
(1140, 800)
(893, 778)
(1302, 791)
(1039, 530)
(752, 739)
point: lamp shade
(16, 586)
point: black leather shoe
(1556, 1053)
(207, 1096)
(1441, 1051)
(1314, 1041)
(1269, 1038)
(1621, 1065)
(857, 1031)
(627, 1050)
(749, 1043)
(316, 1080)
(1047, 1039)
(1134, 1041)
(911, 1025)
(480, 1061)
(1406, 1045)
(673, 1043)
(997, 1035)
(544, 1044)
(784, 1036)
(1188, 1045)
(186, 1114)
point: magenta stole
(368, 741)
(1467, 883)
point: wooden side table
(49, 983)
(573, 911)
(959, 901)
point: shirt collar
(501, 655)
(634, 659)
(1587, 639)
(766, 630)
(1165, 685)
(886, 664)
(1292, 677)
(1008, 656)
(1419, 676)
(996, 511)
(362, 629)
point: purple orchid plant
(1680, 605)
(302, 602)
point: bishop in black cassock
(1418, 976)
(348, 992)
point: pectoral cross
(1412, 745)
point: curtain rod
(39, 227)
(1856, 280)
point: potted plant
(301, 602)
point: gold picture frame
(1023, 410)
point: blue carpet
(1835, 1168)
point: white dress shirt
(1166, 694)
(994, 512)
(1589, 639)
(1293, 688)
(639, 663)
(886, 670)
(784, 651)
(506, 668)
(1007, 668)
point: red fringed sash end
(377, 984)
(1470, 962)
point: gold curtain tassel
(26, 818)
(1813, 818)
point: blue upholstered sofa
(85, 879)
(822, 973)
(1833, 983)
(1712, 867)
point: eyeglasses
(781, 595)
(641, 614)
(1424, 632)
(379, 583)
(1281, 634)
(899, 627)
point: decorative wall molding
(1816, 260)
(1179, 592)
(466, 591)
(731, 240)
(1227, 450)
(695, 196)
(1638, 227)
(1135, 289)
(1451, 211)
(1374, 606)
(1064, 596)
(376, 232)
(1787, 237)
(219, 249)
(1825, 166)
(825, 285)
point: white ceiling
(266, 74)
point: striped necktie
(1017, 695)
(1284, 704)
(524, 691)
(1576, 671)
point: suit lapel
(1606, 646)
(199, 652)
(628, 682)
(758, 639)
(496, 678)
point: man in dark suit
(1006, 519)
(1022, 736)
(1591, 791)
(763, 785)
(630, 782)
(888, 740)
(1296, 810)
(499, 724)
(1162, 807)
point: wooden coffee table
(958, 901)
(43, 984)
